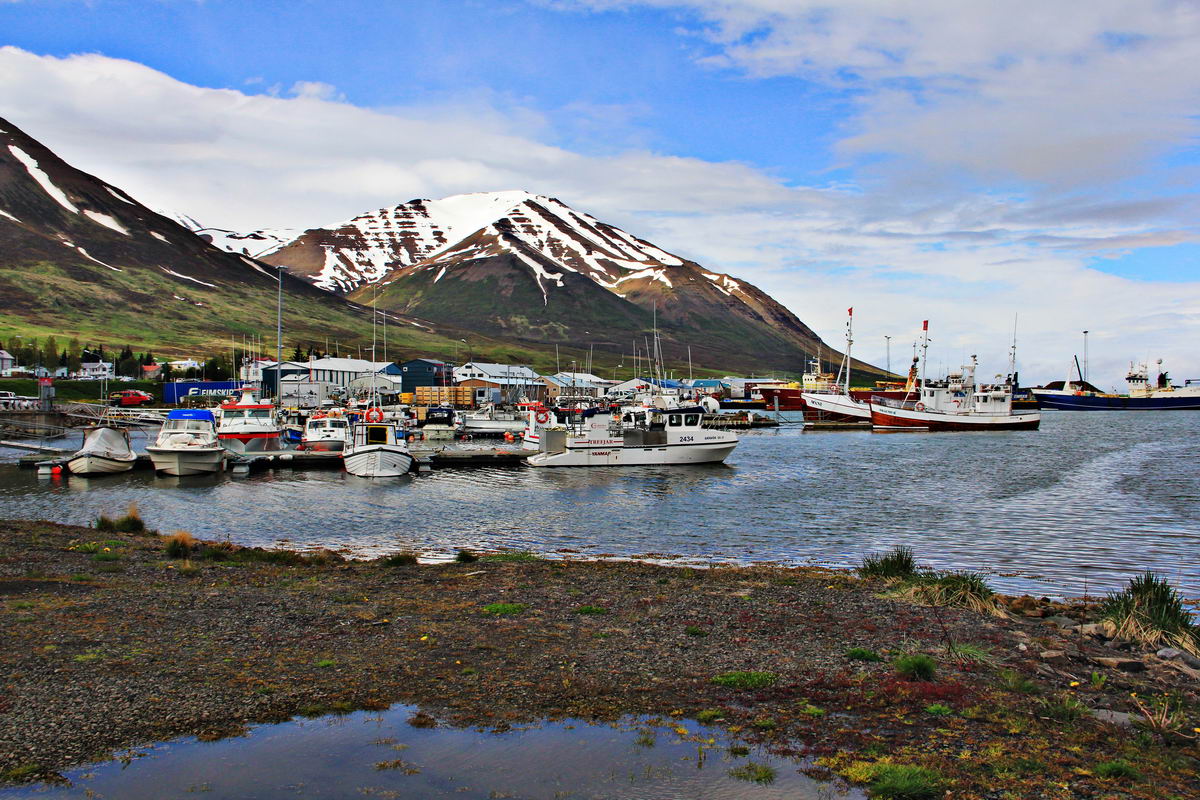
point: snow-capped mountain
(518, 264)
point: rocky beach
(118, 639)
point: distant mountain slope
(80, 256)
(519, 265)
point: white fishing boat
(957, 403)
(440, 423)
(188, 444)
(627, 437)
(105, 450)
(377, 449)
(491, 420)
(325, 432)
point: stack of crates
(457, 396)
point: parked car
(130, 397)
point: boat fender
(374, 415)
(508, 437)
(919, 406)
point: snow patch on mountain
(188, 278)
(88, 255)
(106, 221)
(4, 213)
(120, 196)
(254, 244)
(42, 178)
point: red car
(130, 397)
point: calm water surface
(1077, 506)
(380, 755)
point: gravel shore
(109, 644)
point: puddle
(380, 755)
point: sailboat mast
(924, 350)
(849, 343)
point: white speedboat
(188, 444)
(105, 451)
(325, 432)
(629, 437)
(247, 424)
(376, 448)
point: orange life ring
(957, 403)
(919, 406)
(543, 417)
(318, 415)
(374, 415)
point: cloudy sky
(965, 162)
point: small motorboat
(188, 444)
(105, 450)
(247, 424)
(598, 437)
(440, 423)
(377, 448)
(325, 433)
(490, 420)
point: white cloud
(967, 261)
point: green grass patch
(753, 772)
(591, 610)
(745, 680)
(1016, 682)
(504, 609)
(939, 710)
(326, 663)
(916, 667)
(106, 556)
(863, 654)
(905, 782)
(1064, 708)
(709, 715)
(21, 772)
(1117, 770)
(695, 630)
(400, 560)
(961, 589)
(512, 555)
(897, 563)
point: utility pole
(889, 353)
(279, 335)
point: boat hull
(620, 456)
(492, 426)
(1112, 402)
(378, 461)
(190, 461)
(324, 446)
(265, 442)
(900, 418)
(92, 464)
(835, 408)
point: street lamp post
(889, 353)
(279, 335)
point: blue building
(422, 372)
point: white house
(503, 374)
(185, 364)
(584, 378)
(7, 362)
(95, 370)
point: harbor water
(1072, 509)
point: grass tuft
(863, 654)
(466, 557)
(709, 715)
(180, 544)
(905, 782)
(1150, 611)
(1016, 682)
(962, 589)
(400, 560)
(105, 523)
(897, 563)
(916, 667)
(745, 680)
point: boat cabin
(368, 433)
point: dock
(240, 464)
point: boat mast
(849, 343)
(924, 350)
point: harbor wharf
(111, 643)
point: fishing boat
(188, 444)
(247, 424)
(614, 436)
(1144, 394)
(955, 404)
(377, 448)
(440, 423)
(489, 420)
(105, 451)
(325, 432)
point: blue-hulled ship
(1144, 394)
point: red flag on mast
(850, 311)
(925, 325)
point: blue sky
(965, 162)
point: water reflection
(381, 755)
(1085, 502)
